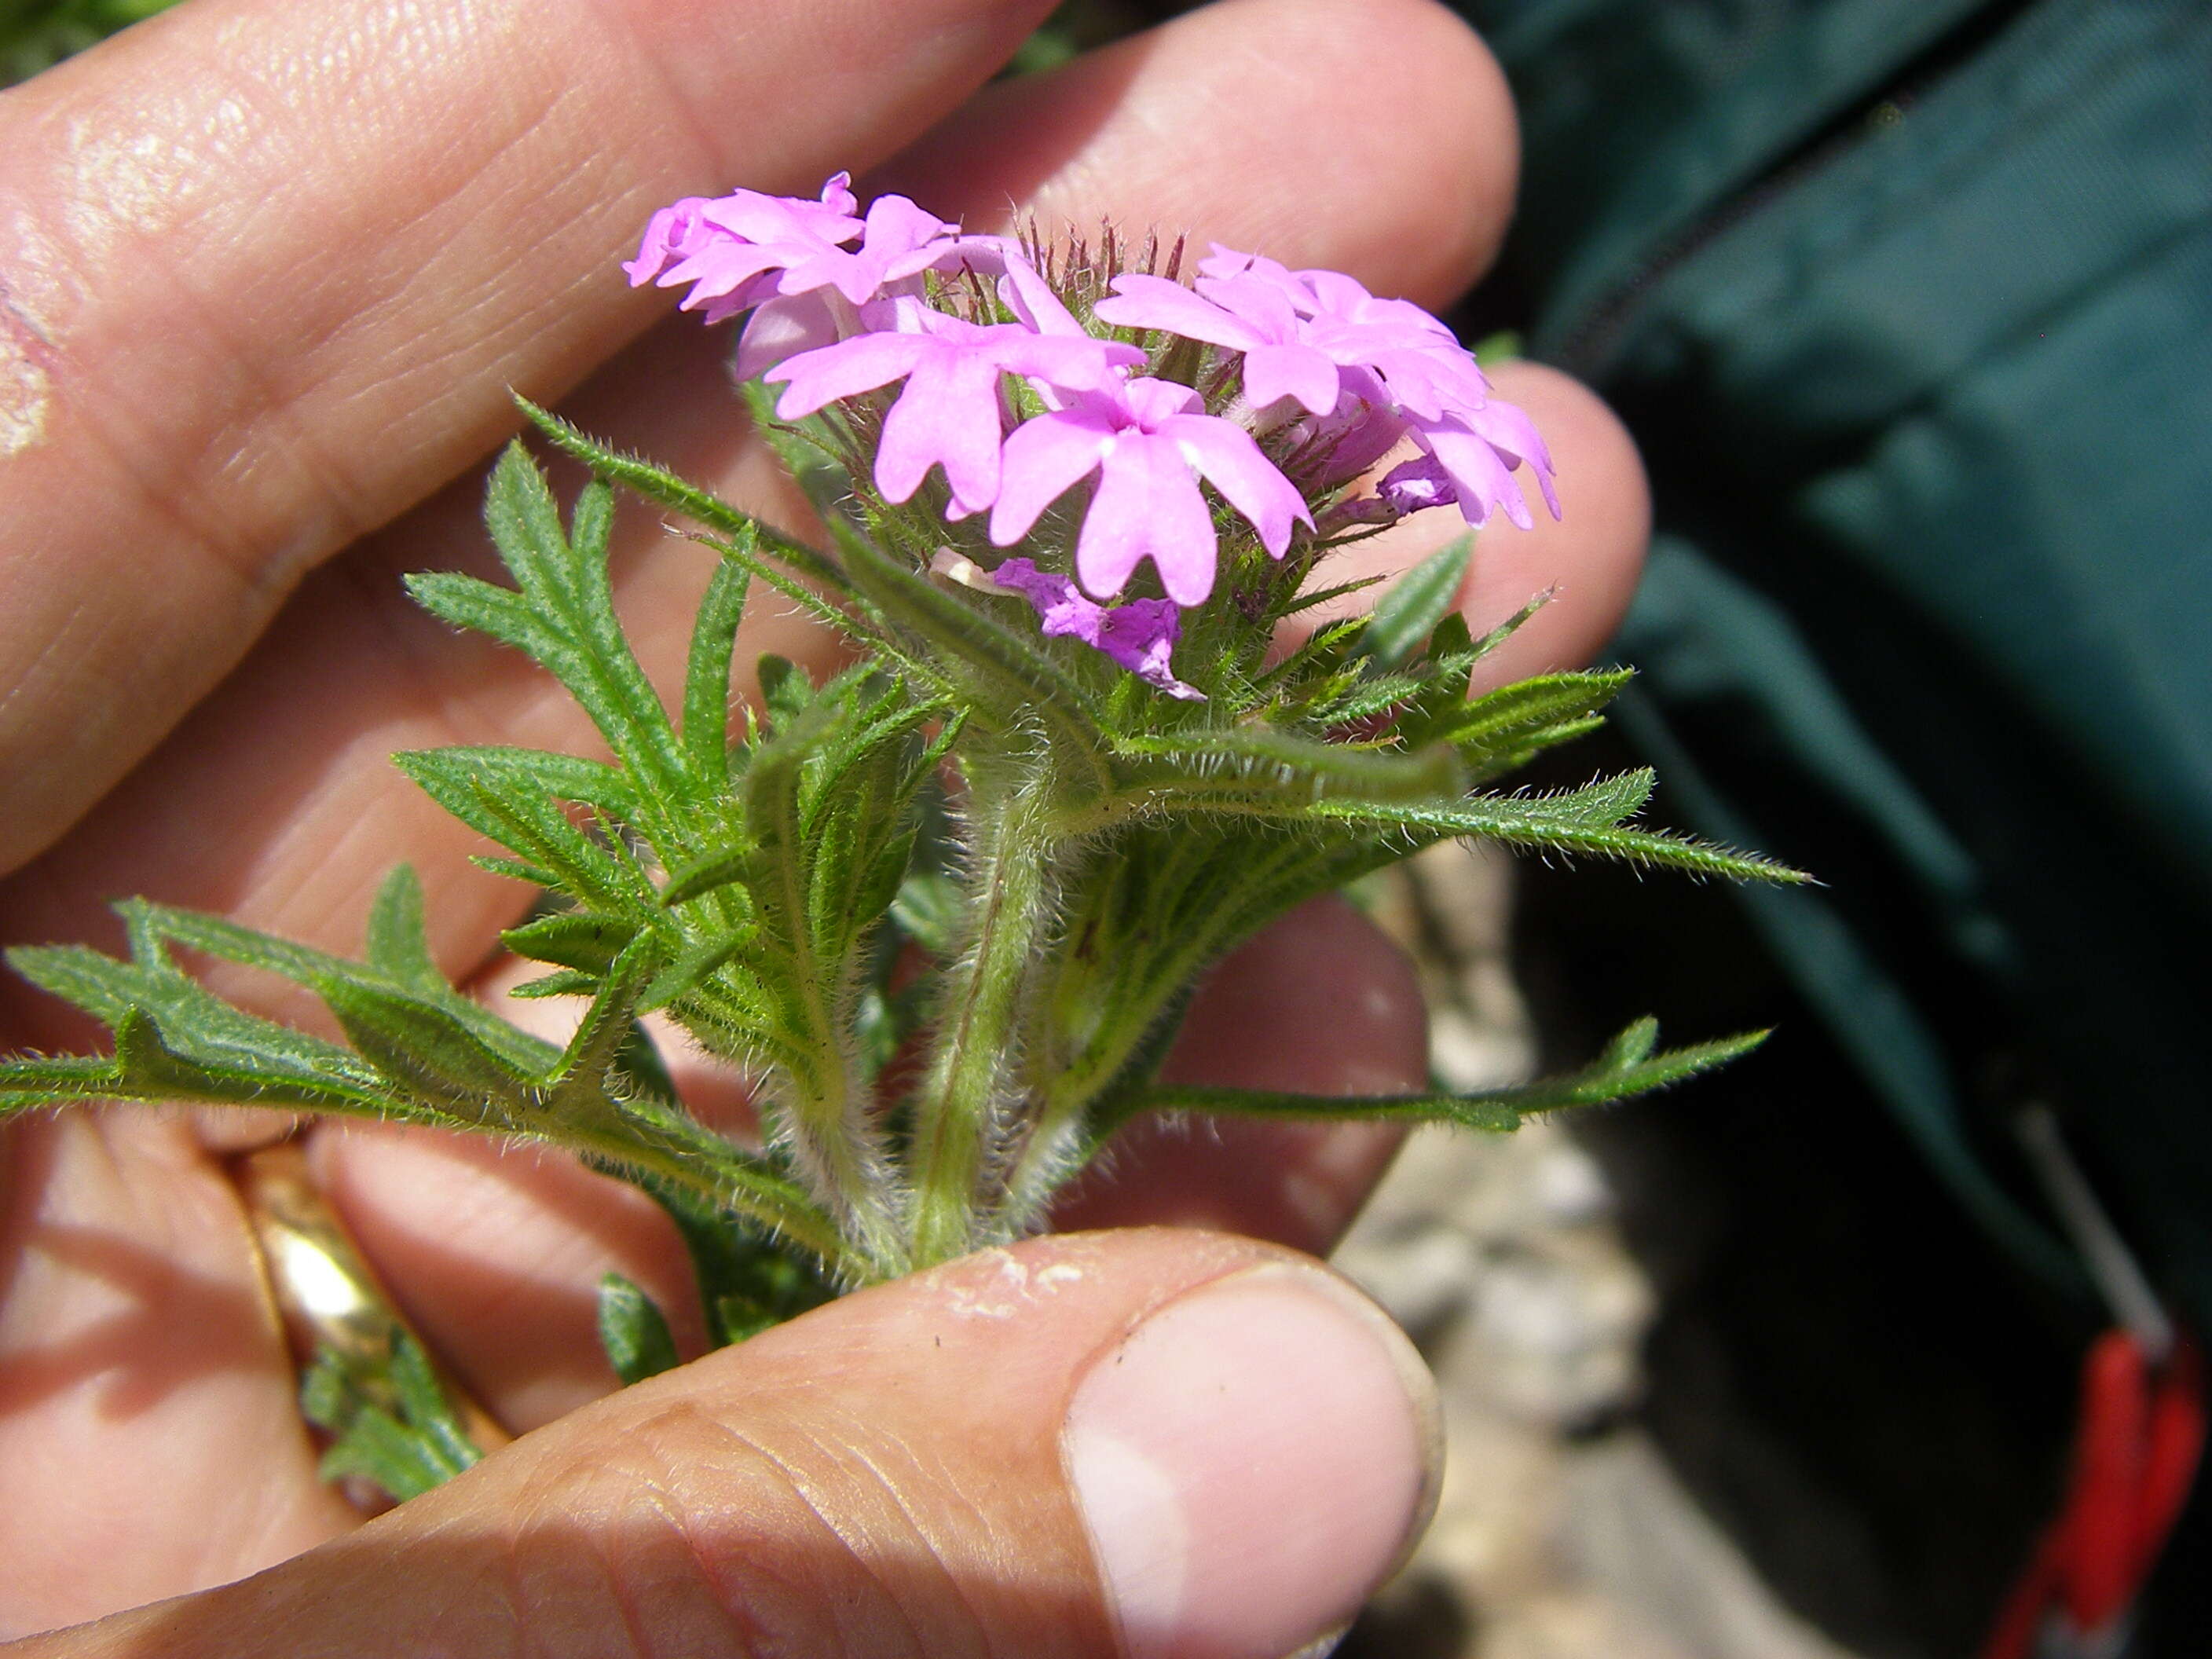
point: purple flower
(1371, 370)
(1150, 446)
(676, 234)
(949, 413)
(1244, 314)
(1477, 451)
(1141, 635)
(786, 259)
(734, 250)
(1416, 485)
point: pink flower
(1477, 451)
(1245, 314)
(1150, 446)
(949, 414)
(786, 259)
(1376, 370)
(734, 249)
(1139, 635)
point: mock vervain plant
(945, 907)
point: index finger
(270, 267)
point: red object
(2135, 1453)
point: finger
(1143, 1446)
(143, 1376)
(270, 268)
(1321, 1003)
(1372, 136)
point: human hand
(273, 269)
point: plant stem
(832, 1139)
(976, 1045)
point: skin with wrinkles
(277, 263)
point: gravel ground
(1562, 1532)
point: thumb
(1151, 1444)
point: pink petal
(949, 415)
(1273, 372)
(1030, 298)
(1147, 505)
(1247, 479)
(1508, 430)
(715, 268)
(1478, 473)
(1116, 525)
(1043, 459)
(781, 330)
(1148, 402)
(896, 225)
(667, 237)
(1265, 305)
(1141, 635)
(845, 370)
(1142, 302)
(1224, 264)
(1082, 364)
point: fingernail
(1252, 1459)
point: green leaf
(634, 1331)
(516, 1052)
(1404, 616)
(396, 943)
(710, 874)
(1512, 625)
(785, 689)
(485, 795)
(580, 939)
(435, 1056)
(689, 971)
(392, 1423)
(1586, 820)
(1628, 1067)
(707, 676)
(558, 777)
(176, 1041)
(562, 982)
(582, 1090)
(1261, 769)
(564, 579)
(1529, 713)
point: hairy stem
(975, 1046)
(828, 1128)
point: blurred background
(1909, 304)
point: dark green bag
(1910, 304)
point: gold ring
(325, 1291)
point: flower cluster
(1280, 389)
